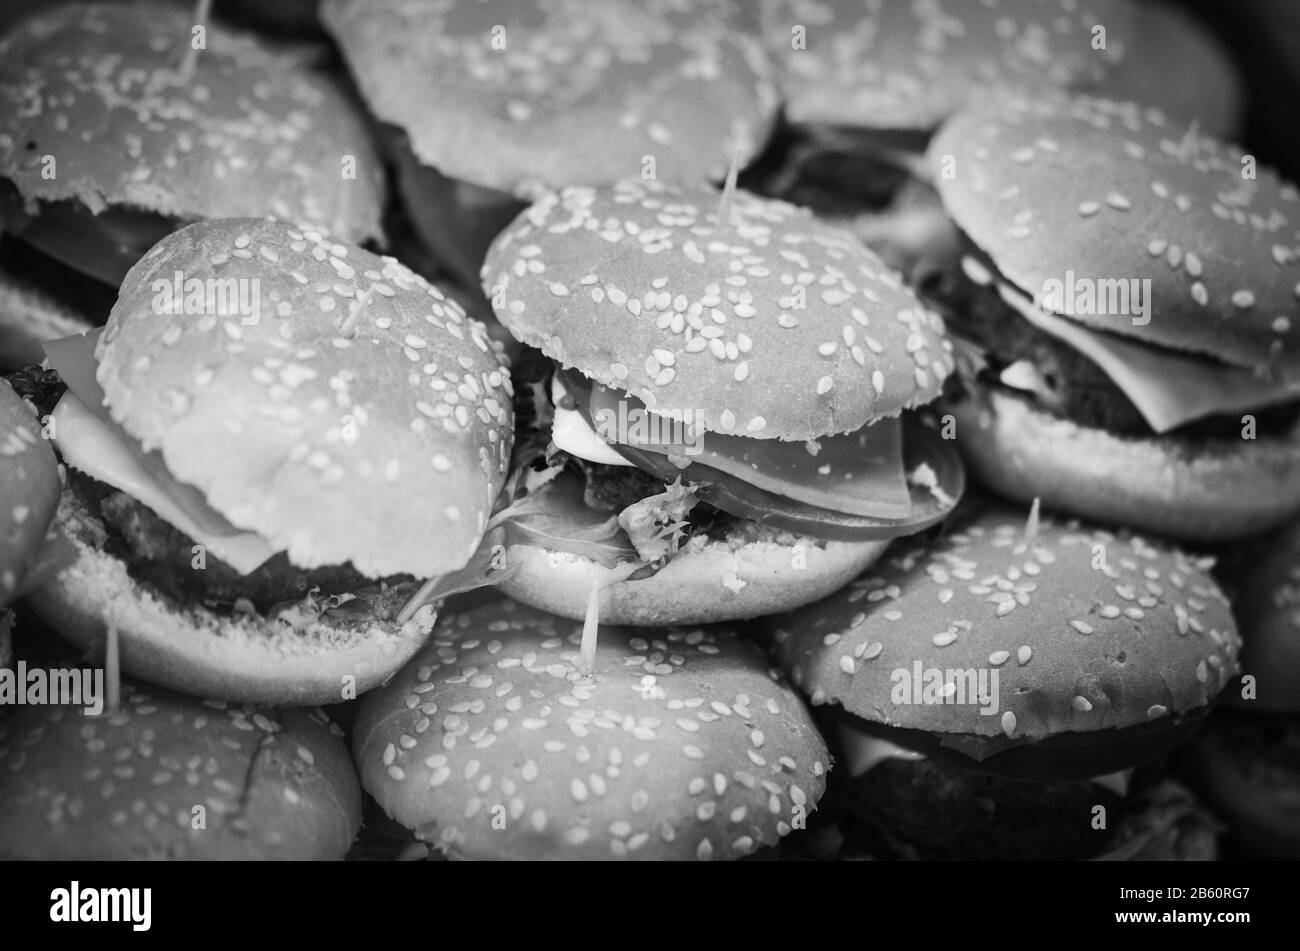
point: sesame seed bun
(29, 490)
(252, 411)
(902, 65)
(1177, 64)
(29, 315)
(1100, 189)
(521, 99)
(748, 574)
(197, 650)
(635, 287)
(1268, 608)
(252, 132)
(683, 745)
(169, 777)
(1080, 645)
(1205, 492)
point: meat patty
(158, 554)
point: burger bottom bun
(749, 574)
(201, 652)
(1218, 492)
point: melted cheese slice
(858, 473)
(90, 441)
(1169, 389)
(862, 751)
(95, 447)
(571, 432)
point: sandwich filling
(596, 473)
(165, 532)
(1103, 380)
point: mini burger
(169, 777)
(487, 105)
(991, 689)
(112, 135)
(515, 735)
(1128, 299)
(275, 437)
(1247, 760)
(714, 427)
(886, 73)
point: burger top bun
(521, 97)
(1269, 611)
(492, 743)
(1087, 631)
(1175, 62)
(1113, 191)
(775, 326)
(356, 415)
(170, 777)
(900, 64)
(29, 489)
(96, 89)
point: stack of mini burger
(258, 448)
(715, 426)
(659, 545)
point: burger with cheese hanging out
(274, 439)
(714, 423)
(1127, 292)
(991, 693)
